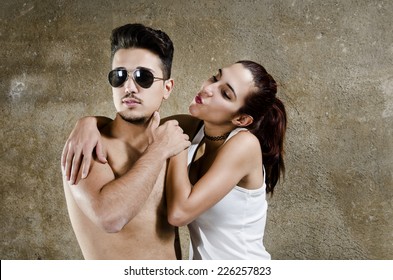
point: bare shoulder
(245, 139)
(244, 145)
(99, 173)
(240, 158)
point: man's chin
(133, 119)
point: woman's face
(221, 97)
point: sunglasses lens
(144, 78)
(117, 77)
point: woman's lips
(198, 99)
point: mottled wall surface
(332, 59)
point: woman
(218, 187)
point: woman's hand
(78, 149)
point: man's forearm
(120, 200)
(112, 200)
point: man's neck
(135, 134)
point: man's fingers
(155, 120)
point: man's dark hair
(139, 36)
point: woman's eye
(223, 92)
(225, 95)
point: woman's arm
(78, 149)
(237, 158)
(112, 201)
(85, 137)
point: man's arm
(112, 202)
(188, 123)
(85, 137)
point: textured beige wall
(334, 63)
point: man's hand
(168, 138)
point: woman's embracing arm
(78, 149)
(234, 162)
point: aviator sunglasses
(141, 76)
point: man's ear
(243, 120)
(168, 87)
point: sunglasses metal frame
(134, 77)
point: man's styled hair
(139, 36)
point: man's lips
(131, 101)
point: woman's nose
(207, 91)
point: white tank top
(234, 227)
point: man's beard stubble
(133, 120)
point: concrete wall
(332, 59)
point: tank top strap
(234, 132)
(194, 144)
(199, 136)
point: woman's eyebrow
(220, 71)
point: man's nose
(130, 85)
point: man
(118, 211)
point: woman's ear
(243, 120)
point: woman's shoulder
(242, 154)
(242, 143)
(245, 137)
